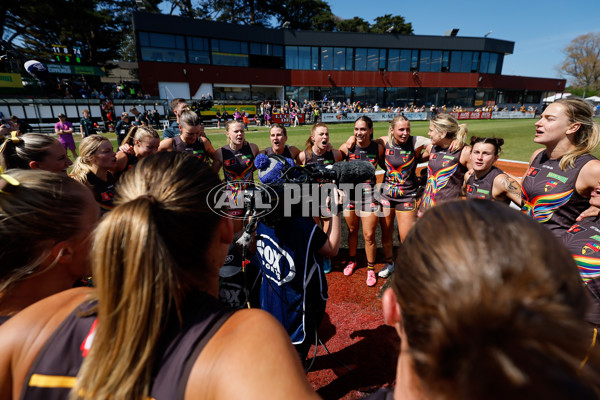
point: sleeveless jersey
(196, 149)
(445, 177)
(53, 372)
(369, 153)
(482, 188)
(324, 159)
(549, 194)
(400, 180)
(103, 190)
(131, 161)
(294, 284)
(583, 241)
(238, 165)
(286, 152)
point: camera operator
(290, 251)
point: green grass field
(518, 135)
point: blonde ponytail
(447, 123)
(144, 270)
(82, 164)
(587, 137)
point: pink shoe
(371, 278)
(350, 268)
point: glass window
(414, 60)
(314, 51)
(163, 55)
(360, 59)
(382, 58)
(256, 48)
(405, 60)
(339, 58)
(493, 63)
(349, 58)
(303, 57)
(394, 60)
(436, 61)
(425, 63)
(198, 51)
(372, 59)
(277, 50)
(326, 58)
(229, 52)
(144, 39)
(445, 61)
(485, 59)
(167, 41)
(465, 65)
(475, 62)
(291, 57)
(455, 61)
(197, 43)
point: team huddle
(475, 286)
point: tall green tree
(355, 24)
(97, 26)
(392, 24)
(246, 12)
(582, 62)
(303, 14)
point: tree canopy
(582, 62)
(102, 28)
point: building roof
(160, 23)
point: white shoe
(386, 270)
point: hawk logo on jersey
(389, 152)
(590, 248)
(433, 156)
(228, 162)
(352, 157)
(550, 185)
(277, 263)
(469, 189)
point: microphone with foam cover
(353, 171)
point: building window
(360, 59)
(162, 47)
(262, 55)
(326, 58)
(394, 60)
(314, 51)
(465, 65)
(339, 58)
(291, 57)
(349, 58)
(382, 59)
(425, 62)
(493, 65)
(414, 60)
(485, 59)
(229, 52)
(475, 62)
(304, 57)
(455, 61)
(198, 50)
(372, 59)
(445, 61)
(436, 61)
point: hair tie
(8, 184)
(13, 138)
(151, 199)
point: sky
(540, 29)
